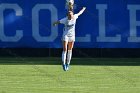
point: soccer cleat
(67, 67)
(64, 67)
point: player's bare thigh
(65, 43)
(68, 42)
(70, 45)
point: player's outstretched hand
(54, 24)
(84, 7)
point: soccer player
(70, 4)
(68, 36)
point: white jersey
(69, 28)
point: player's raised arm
(81, 11)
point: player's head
(70, 14)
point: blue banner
(104, 24)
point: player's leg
(69, 54)
(64, 53)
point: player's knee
(64, 49)
(70, 48)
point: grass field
(45, 75)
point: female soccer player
(70, 4)
(68, 36)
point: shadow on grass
(75, 61)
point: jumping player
(68, 36)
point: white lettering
(102, 37)
(19, 33)
(133, 23)
(35, 22)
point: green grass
(45, 75)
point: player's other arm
(81, 11)
(62, 21)
(56, 23)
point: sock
(64, 57)
(69, 55)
